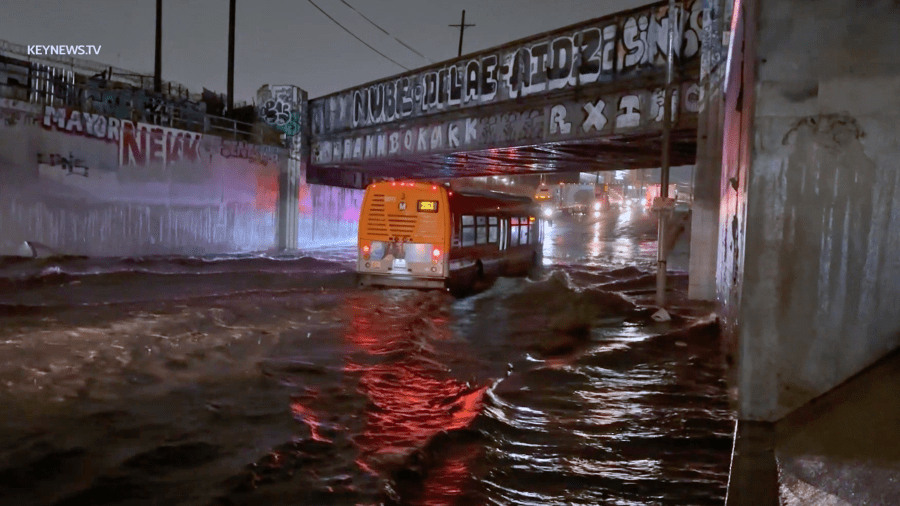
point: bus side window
(468, 231)
(523, 234)
(492, 227)
(481, 230)
(514, 232)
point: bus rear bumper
(401, 281)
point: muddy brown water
(254, 379)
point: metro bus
(423, 235)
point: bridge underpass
(760, 245)
(802, 313)
(587, 97)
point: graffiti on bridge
(618, 47)
(620, 113)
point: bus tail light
(435, 255)
(366, 249)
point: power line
(354, 36)
(386, 32)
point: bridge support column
(708, 170)
(287, 226)
(285, 109)
(808, 275)
(705, 206)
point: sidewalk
(842, 449)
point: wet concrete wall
(91, 185)
(810, 220)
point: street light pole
(157, 72)
(230, 104)
(661, 252)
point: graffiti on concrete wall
(598, 115)
(713, 39)
(13, 112)
(147, 145)
(143, 105)
(246, 151)
(600, 51)
(71, 165)
(139, 144)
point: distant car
(542, 194)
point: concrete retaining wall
(91, 185)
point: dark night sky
(287, 42)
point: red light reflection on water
(412, 398)
(306, 415)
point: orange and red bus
(425, 235)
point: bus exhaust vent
(401, 225)
(381, 223)
(377, 223)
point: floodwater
(256, 379)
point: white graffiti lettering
(382, 145)
(595, 118)
(631, 117)
(423, 139)
(395, 143)
(471, 133)
(557, 120)
(453, 135)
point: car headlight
(596, 206)
(548, 212)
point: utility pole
(157, 73)
(230, 103)
(661, 252)
(462, 28)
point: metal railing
(112, 99)
(79, 65)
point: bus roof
(495, 195)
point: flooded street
(276, 380)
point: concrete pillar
(708, 172)
(287, 226)
(285, 109)
(808, 272)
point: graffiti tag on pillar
(292, 127)
(276, 113)
(281, 109)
